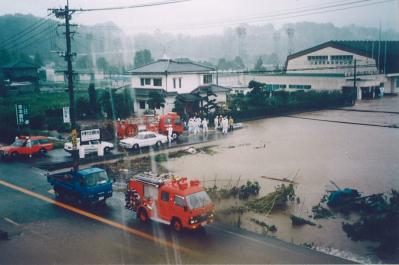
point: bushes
(281, 102)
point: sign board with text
(90, 135)
(65, 114)
(22, 114)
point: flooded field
(312, 154)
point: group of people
(196, 124)
(224, 123)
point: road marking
(100, 219)
(11, 221)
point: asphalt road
(43, 231)
(59, 157)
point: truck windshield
(198, 200)
(96, 178)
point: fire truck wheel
(143, 216)
(14, 155)
(175, 136)
(176, 225)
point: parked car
(27, 146)
(90, 147)
(143, 139)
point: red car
(29, 146)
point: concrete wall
(189, 82)
(302, 62)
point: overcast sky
(209, 16)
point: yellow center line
(100, 219)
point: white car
(90, 147)
(143, 139)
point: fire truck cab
(178, 202)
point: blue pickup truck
(87, 186)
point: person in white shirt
(205, 126)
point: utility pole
(355, 78)
(65, 13)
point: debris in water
(298, 221)
(281, 180)
(342, 197)
(243, 192)
(269, 228)
(320, 212)
(381, 225)
(273, 201)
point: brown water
(361, 157)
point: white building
(184, 79)
(331, 66)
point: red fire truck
(130, 127)
(174, 201)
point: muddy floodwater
(311, 153)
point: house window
(142, 104)
(207, 79)
(174, 82)
(397, 82)
(157, 81)
(145, 81)
(179, 82)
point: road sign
(90, 135)
(66, 115)
(22, 114)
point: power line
(35, 39)
(27, 37)
(285, 15)
(28, 30)
(131, 6)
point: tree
(238, 63)
(142, 57)
(105, 102)
(93, 101)
(25, 58)
(102, 64)
(208, 104)
(38, 60)
(256, 95)
(5, 57)
(82, 107)
(156, 100)
(179, 107)
(3, 89)
(259, 65)
(84, 62)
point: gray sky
(211, 16)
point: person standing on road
(205, 126)
(190, 125)
(231, 123)
(216, 122)
(170, 133)
(225, 125)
